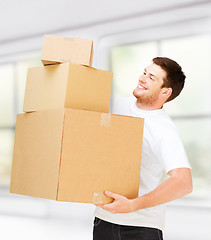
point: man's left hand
(120, 204)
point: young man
(162, 150)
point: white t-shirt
(162, 150)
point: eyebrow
(150, 73)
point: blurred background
(126, 35)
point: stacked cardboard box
(67, 146)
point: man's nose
(142, 78)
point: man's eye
(151, 78)
(145, 73)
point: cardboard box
(62, 49)
(74, 155)
(67, 85)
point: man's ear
(167, 92)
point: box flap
(64, 49)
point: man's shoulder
(164, 127)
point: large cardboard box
(67, 85)
(75, 155)
(58, 49)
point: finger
(113, 195)
(99, 205)
(109, 207)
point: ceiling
(27, 18)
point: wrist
(138, 203)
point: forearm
(178, 185)
(172, 188)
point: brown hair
(175, 77)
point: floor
(30, 218)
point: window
(13, 80)
(7, 119)
(7, 110)
(191, 111)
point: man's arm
(177, 185)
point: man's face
(148, 90)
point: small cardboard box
(58, 49)
(75, 155)
(67, 85)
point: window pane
(6, 151)
(7, 112)
(196, 136)
(128, 62)
(194, 55)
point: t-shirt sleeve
(172, 153)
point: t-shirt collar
(144, 113)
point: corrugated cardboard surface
(75, 155)
(67, 85)
(36, 156)
(46, 87)
(88, 88)
(58, 49)
(99, 152)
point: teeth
(141, 87)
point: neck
(145, 106)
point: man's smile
(140, 86)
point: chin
(135, 94)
